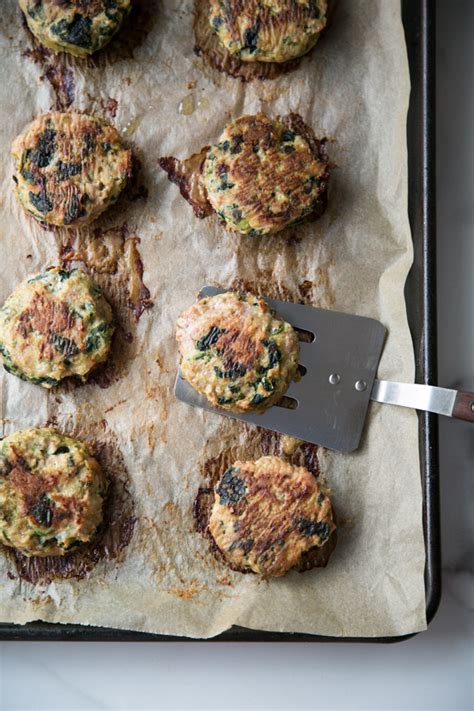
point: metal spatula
(329, 404)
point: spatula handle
(464, 406)
(429, 398)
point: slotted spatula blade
(333, 395)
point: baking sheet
(354, 88)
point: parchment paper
(354, 89)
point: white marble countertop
(431, 671)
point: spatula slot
(302, 370)
(287, 402)
(305, 336)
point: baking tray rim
(419, 25)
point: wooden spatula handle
(464, 406)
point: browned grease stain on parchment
(112, 251)
(186, 174)
(112, 256)
(110, 106)
(116, 530)
(167, 561)
(317, 292)
(56, 70)
(255, 443)
(189, 591)
(159, 388)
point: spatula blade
(330, 408)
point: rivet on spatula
(334, 378)
(361, 385)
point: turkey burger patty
(69, 168)
(51, 492)
(236, 352)
(268, 514)
(55, 325)
(267, 30)
(263, 175)
(79, 27)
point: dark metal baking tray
(418, 21)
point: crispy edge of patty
(34, 490)
(314, 557)
(58, 198)
(239, 355)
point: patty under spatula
(328, 405)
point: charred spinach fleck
(225, 400)
(314, 528)
(274, 354)
(96, 336)
(31, 161)
(45, 149)
(231, 488)
(88, 145)
(268, 385)
(42, 511)
(63, 345)
(251, 37)
(311, 183)
(204, 343)
(67, 170)
(77, 31)
(41, 201)
(246, 545)
(111, 9)
(237, 144)
(257, 399)
(233, 370)
(314, 9)
(38, 277)
(224, 184)
(62, 449)
(36, 10)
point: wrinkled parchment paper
(354, 89)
